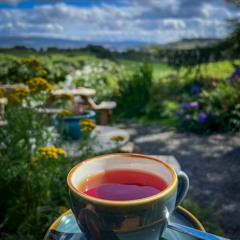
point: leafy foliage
(101, 76)
(20, 70)
(31, 191)
(134, 91)
(32, 174)
(211, 106)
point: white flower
(78, 73)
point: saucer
(66, 228)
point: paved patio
(211, 162)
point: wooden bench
(105, 109)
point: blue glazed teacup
(141, 218)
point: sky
(151, 21)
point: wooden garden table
(105, 108)
(82, 91)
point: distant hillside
(44, 43)
(191, 43)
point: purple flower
(236, 73)
(195, 89)
(178, 113)
(202, 117)
(185, 105)
(193, 104)
(186, 117)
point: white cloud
(215, 12)
(175, 23)
(152, 21)
(170, 5)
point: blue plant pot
(69, 126)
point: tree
(235, 2)
(228, 48)
(232, 41)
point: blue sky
(153, 21)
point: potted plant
(72, 124)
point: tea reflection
(98, 226)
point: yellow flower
(64, 96)
(43, 72)
(38, 84)
(86, 129)
(65, 113)
(2, 92)
(87, 124)
(17, 95)
(42, 149)
(54, 155)
(34, 159)
(51, 152)
(61, 151)
(32, 63)
(117, 138)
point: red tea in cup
(122, 185)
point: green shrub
(15, 70)
(58, 66)
(32, 182)
(134, 92)
(33, 169)
(101, 76)
(211, 106)
(54, 68)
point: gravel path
(211, 162)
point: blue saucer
(66, 228)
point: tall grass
(134, 91)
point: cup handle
(183, 185)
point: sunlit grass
(160, 70)
(214, 70)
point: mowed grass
(160, 70)
(29, 53)
(214, 70)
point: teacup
(105, 209)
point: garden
(201, 99)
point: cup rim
(161, 195)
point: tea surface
(122, 185)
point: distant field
(222, 69)
(160, 70)
(27, 53)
